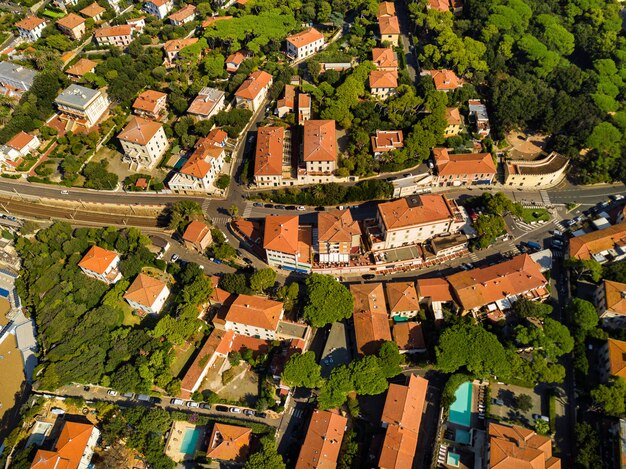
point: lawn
(535, 214)
(53, 14)
(182, 355)
(130, 318)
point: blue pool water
(453, 459)
(4, 293)
(190, 440)
(461, 408)
(462, 436)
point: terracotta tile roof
(268, 159)
(463, 163)
(440, 5)
(408, 335)
(585, 246)
(402, 296)
(209, 21)
(388, 25)
(255, 311)
(415, 210)
(615, 293)
(196, 231)
(69, 448)
(383, 79)
(323, 441)
(20, 140)
(206, 102)
(29, 23)
(218, 295)
(253, 85)
(481, 286)
(148, 100)
(184, 13)
(368, 297)
(139, 130)
(617, 357)
(384, 57)
(289, 98)
(70, 21)
(517, 447)
(445, 79)
(229, 443)
(437, 289)
(97, 259)
(112, 31)
(304, 101)
(305, 243)
(387, 140)
(178, 44)
(281, 233)
(453, 116)
(336, 226)
(371, 331)
(81, 67)
(320, 141)
(236, 59)
(305, 38)
(93, 10)
(210, 147)
(386, 9)
(158, 3)
(241, 343)
(144, 290)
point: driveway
(507, 393)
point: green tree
(222, 182)
(542, 427)
(611, 397)
(390, 359)
(489, 227)
(585, 268)
(234, 283)
(302, 370)
(327, 300)
(182, 212)
(583, 313)
(262, 279)
(523, 402)
(266, 457)
(588, 446)
(524, 308)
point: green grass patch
(130, 319)
(535, 214)
(53, 14)
(182, 357)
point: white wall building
(83, 105)
(118, 36)
(305, 43)
(30, 28)
(253, 91)
(147, 295)
(254, 316)
(101, 264)
(144, 142)
(158, 8)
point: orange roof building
(368, 297)
(385, 141)
(150, 104)
(144, 142)
(386, 9)
(185, 15)
(287, 244)
(234, 61)
(72, 450)
(463, 169)
(229, 443)
(93, 11)
(614, 355)
(118, 36)
(371, 323)
(439, 5)
(402, 418)
(81, 68)
(602, 245)
(498, 286)
(455, 122)
(213, 19)
(338, 237)
(208, 103)
(197, 235)
(610, 301)
(253, 90)
(385, 58)
(147, 295)
(383, 83)
(517, 447)
(323, 439)
(402, 299)
(445, 80)
(254, 316)
(409, 337)
(72, 25)
(287, 103)
(304, 43)
(319, 146)
(271, 156)
(389, 28)
(20, 145)
(30, 28)
(101, 264)
(172, 49)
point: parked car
(143, 397)
(301, 208)
(249, 412)
(177, 402)
(213, 259)
(174, 257)
(368, 276)
(111, 392)
(320, 209)
(261, 415)
(193, 404)
(533, 245)
(497, 401)
(617, 197)
(290, 207)
(235, 410)
(205, 406)
(268, 206)
(257, 204)
(247, 260)
(128, 395)
(541, 417)
(279, 207)
(221, 408)
(156, 400)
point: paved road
(405, 36)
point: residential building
(319, 146)
(185, 15)
(322, 442)
(455, 122)
(93, 11)
(272, 157)
(413, 220)
(229, 443)
(144, 142)
(401, 419)
(385, 141)
(80, 69)
(336, 66)
(463, 169)
(287, 244)
(213, 19)
(402, 300)
(203, 166)
(234, 61)
(608, 244)
(115, 5)
(158, 8)
(81, 105)
(287, 103)
(147, 295)
(435, 293)
(118, 36)
(386, 9)
(254, 316)
(371, 323)
(151, 104)
(479, 117)
(253, 91)
(197, 236)
(73, 448)
(137, 24)
(515, 446)
(610, 301)
(304, 108)
(72, 25)
(30, 28)
(408, 336)
(101, 264)
(389, 29)
(612, 359)
(304, 43)
(208, 103)
(64, 4)
(22, 144)
(383, 84)
(15, 79)
(545, 172)
(172, 49)
(439, 5)
(338, 237)
(385, 59)
(445, 80)
(498, 286)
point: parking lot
(507, 394)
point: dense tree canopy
(302, 370)
(327, 300)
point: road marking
(205, 205)
(545, 197)
(247, 210)
(220, 220)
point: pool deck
(175, 440)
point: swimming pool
(190, 440)
(462, 436)
(453, 459)
(461, 408)
(4, 293)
